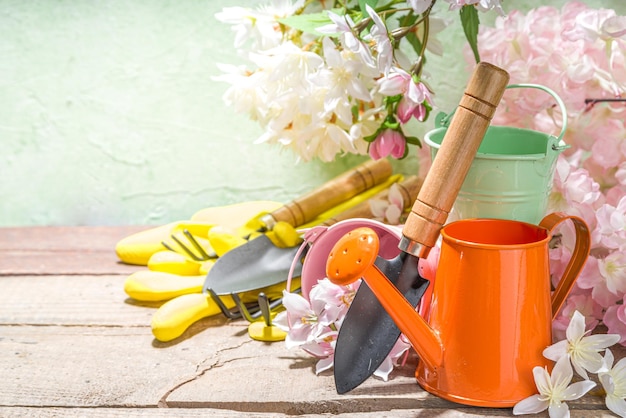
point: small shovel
(368, 333)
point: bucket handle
(444, 120)
(559, 102)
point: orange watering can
(491, 311)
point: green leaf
(413, 140)
(308, 22)
(372, 137)
(362, 4)
(470, 22)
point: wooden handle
(332, 193)
(454, 158)
(408, 188)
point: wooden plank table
(73, 344)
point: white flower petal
(392, 214)
(297, 337)
(281, 321)
(324, 364)
(578, 389)
(581, 369)
(620, 368)
(607, 383)
(601, 341)
(556, 351)
(384, 369)
(531, 405)
(616, 405)
(576, 328)
(395, 196)
(542, 379)
(608, 359)
(378, 207)
(296, 304)
(558, 410)
(562, 372)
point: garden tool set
(264, 269)
(256, 265)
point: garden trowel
(368, 333)
(260, 261)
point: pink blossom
(389, 210)
(401, 346)
(339, 297)
(389, 142)
(613, 270)
(615, 320)
(606, 149)
(591, 25)
(306, 321)
(482, 5)
(575, 191)
(428, 266)
(419, 6)
(590, 281)
(408, 109)
(611, 225)
(577, 302)
(414, 94)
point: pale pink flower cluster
(580, 53)
(321, 84)
(389, 210)
(313, 324)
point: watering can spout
(353, 257)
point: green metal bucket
(512, 173)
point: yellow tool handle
(175, 316)
(454, 158)
(332, 193)
(409, 189)
(154, 286)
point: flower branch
(324, 75)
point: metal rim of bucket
(557, 145)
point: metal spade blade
(254, 265)
(362, 348)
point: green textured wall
(108, 114)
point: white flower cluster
(581, 351)
(325, 83)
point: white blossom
(582, 349)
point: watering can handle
(577, 260)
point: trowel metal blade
(368, 333)
(253, 265)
